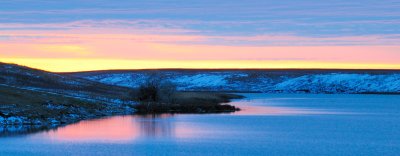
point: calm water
(269, 124)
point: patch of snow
(53, 121)
(126, 80)
(55, 107)
(14, 120)
(341, 83)
(201, 80)
(3, 121)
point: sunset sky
(81, 35)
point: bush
(159, 96)
(156, 90)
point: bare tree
(156, 89)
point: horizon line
(47, 66)
(144, 69)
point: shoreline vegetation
(190, 103)
(33, 100)
(158, 96)
(24, 111)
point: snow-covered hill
(286, 81)
(342, 83)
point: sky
(82, 35)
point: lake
(269, 124)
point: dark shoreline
(191, 103)
(10, 130)
(7, 130)
(26, 124)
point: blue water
(269, 124)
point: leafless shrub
(155, 89)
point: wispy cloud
(250, 8)
(314, 17)
(174, 36)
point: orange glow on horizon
(75, 65)
(86, 50)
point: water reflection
(164, 126)
(14, 130)
(153, 125)
(120, 128)
(264, 107)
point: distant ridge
(332, 81)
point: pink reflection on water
(131, 128)
(122, 128)
(248, 108)
(108, 129)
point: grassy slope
(33, 104)
(26, 77)
(35, 112)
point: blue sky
(234, 17)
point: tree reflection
(155, 125)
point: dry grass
(32, 104)
(20, 76)
(191, 102)
(204, 97)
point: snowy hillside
(261, 80)
(342, 83)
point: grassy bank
(32, 99)
(27, 111)
(26, 107)
(190, 102)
